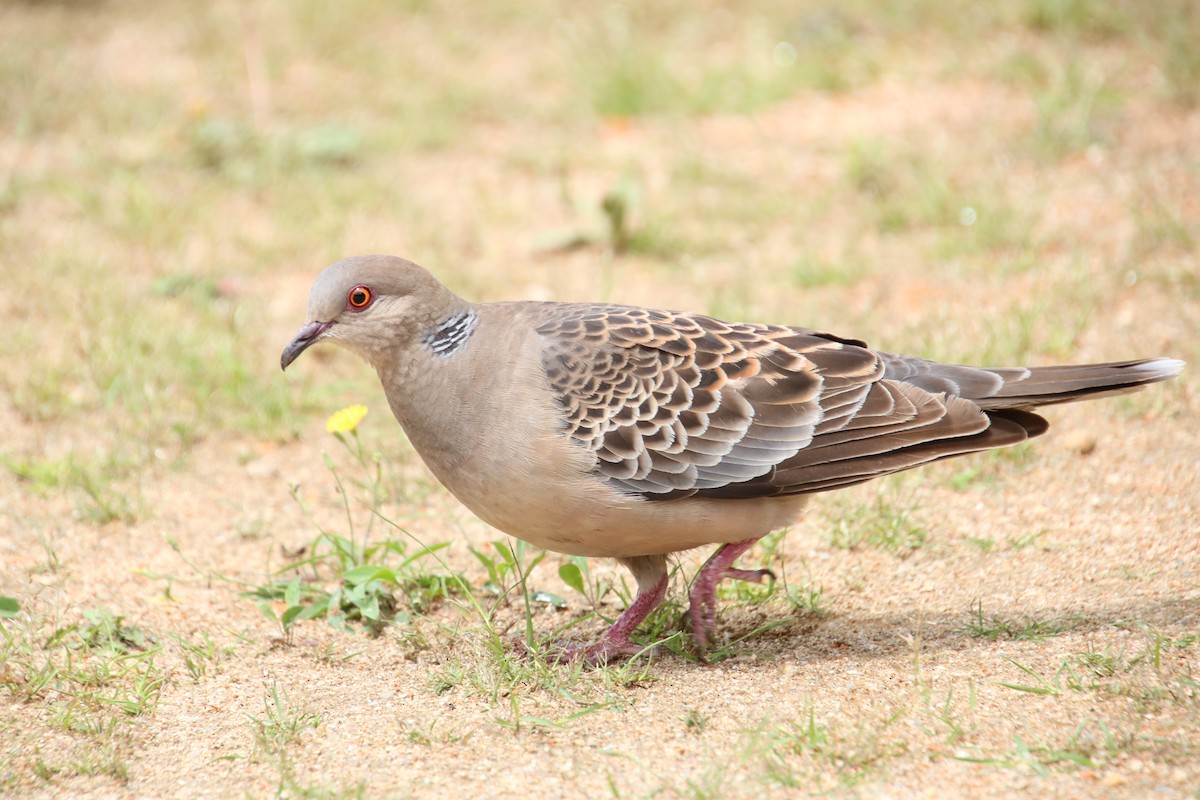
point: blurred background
(994, 183)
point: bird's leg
(703, 609)
(650, 572)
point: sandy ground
(1085, 566)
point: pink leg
(703, 610)
(616, 641)
(651, 575)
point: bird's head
(369, 304)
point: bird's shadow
(836, 636)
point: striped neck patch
(447, 336)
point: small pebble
(1079, 441)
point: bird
(602, 430)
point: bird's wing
(675, 405)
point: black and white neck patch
(447, 336)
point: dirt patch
(1024, 623)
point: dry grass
(172, 175)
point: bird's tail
(1029, 387)
(1043, 386)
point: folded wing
(678, 405)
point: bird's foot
(616, 641)
(609, 648)
(703, 609)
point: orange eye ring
(359, 297)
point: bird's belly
(595, 520)
(541, 489)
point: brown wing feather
(678, 405)
(674, 403)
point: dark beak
(308, 335)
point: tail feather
(1029, 387)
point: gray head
(371, 304)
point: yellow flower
(346, 420)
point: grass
(884, 525)
(282, 725)
(165, 361)
(278, 734)
(1159, 29)
(989, 469)
(987, 545)
(813, 271)
(94, 678)
(172, 177)
(993, 626)
(356, 576)
(101, 497)
(906, 189)
(1072, 111)
(628, 65)
(800, 753)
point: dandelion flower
(346, 420)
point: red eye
(359, 297)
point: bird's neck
(436, 386)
